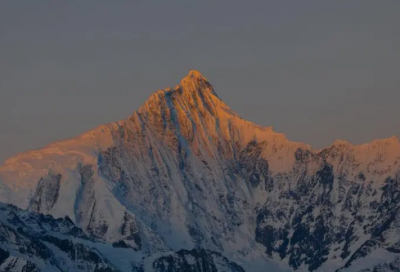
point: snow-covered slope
(31, 242)
(186, 172)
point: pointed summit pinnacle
(195, 82)
(193, 89)
(193, 76)
(196, 75)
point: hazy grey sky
(314, 70)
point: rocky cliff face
(185, 172)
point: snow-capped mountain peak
(186, 174)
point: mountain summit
(185, 183)
(195, 81)
(193, 76)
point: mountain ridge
(196, 75)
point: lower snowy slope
(31, 242)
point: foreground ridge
(185, 172)
(35, 242)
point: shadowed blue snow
(314, 70)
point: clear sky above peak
(314, 70)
